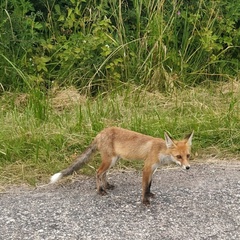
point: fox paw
(109, 186)
(146, 202)
(102, 192)
(151, 195)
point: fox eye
(188, 155)
(179, 157)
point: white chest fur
(162, 160)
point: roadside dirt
(202, 203)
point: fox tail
(79, 162)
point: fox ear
(189, 138)
(168, 140)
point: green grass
(41, 134)
(159, 44)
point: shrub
(96, 45)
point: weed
(98, 45)
(36, 143)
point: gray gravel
(202, 203)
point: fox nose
(187, 167)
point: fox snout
(182, 161)
(187, 167)
(184, 164)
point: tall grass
(98, 45)
(36, 143)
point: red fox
(114, 143)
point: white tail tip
(54, 178)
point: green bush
(97, 45)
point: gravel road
(202, 203)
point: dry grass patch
(66, 98)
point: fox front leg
(146, 186)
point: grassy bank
(42, 133)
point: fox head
(179, 151)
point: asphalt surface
(202, 203)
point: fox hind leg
(105, 183)
(101, 179)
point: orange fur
(114, 143)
